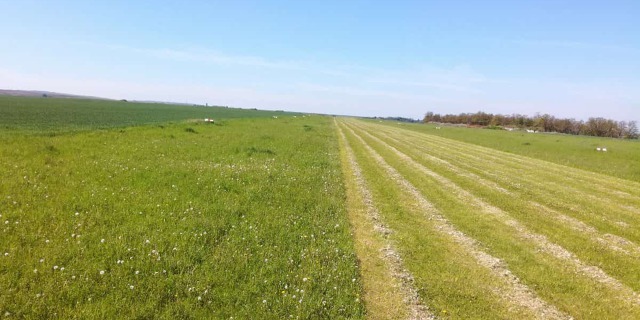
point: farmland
(34, 114)
(489, 234)
(243, 218)
(113, 209)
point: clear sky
(372, 58)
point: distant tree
(600, 127)
(428, 117)
(632, 130)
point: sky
(574, 59)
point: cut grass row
(384, 295)
(183, 220)
(610, 213)
(448, 279)
(572, 151)
(558, 280)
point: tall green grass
(244, 219)
(62, 114)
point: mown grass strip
(445, 168)
(613, 187)
(541, 239)
(567, 150)
(571, 203)
(552, 277)
(453, 172)
(470, 264)
(388, 289)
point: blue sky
(372, 58)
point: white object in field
(598, 149)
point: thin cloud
(577, 45)
(371, 93)
(435, 85)
(212, 57)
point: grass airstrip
(115, 209)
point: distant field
(63, 114)
(622, 159)
(124, 210)
(481, 233)
(182, 220)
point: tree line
(599, 127)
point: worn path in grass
(562, 242)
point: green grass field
(59, 114)
(134, 210)
(492, 235)
(243, 219)
(621, 159)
